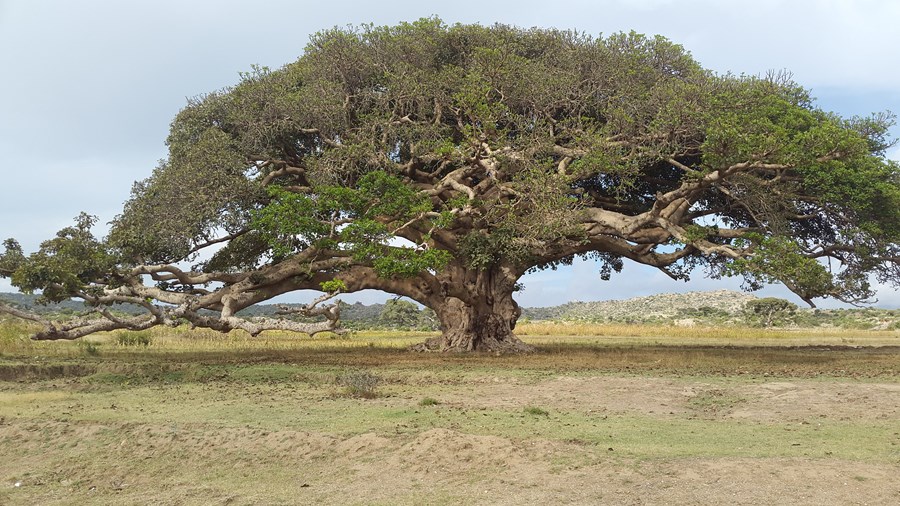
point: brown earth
(493, 437)
(126, 460)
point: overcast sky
(88, 87)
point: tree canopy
(442, 163)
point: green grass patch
(308, 408)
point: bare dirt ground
(491, 436)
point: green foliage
(866, 188)
(535, 411)
(407, 262)
(11, 258)
(697, 232)
(202, 187)
(289, 222)
(399, 314)
(429, 401)
(482, 250)
(351, 220)
(333, 286)
(781, 259)
(386, 195)
(65, 265)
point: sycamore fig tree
(441, 163)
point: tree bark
(481, 319)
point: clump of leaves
(362, 384)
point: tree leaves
(70, 263)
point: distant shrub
(134, 339)
(851, 323)
(404, 315)
(360, 384)
(769, 310)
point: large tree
(441, 163)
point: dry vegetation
(599, 415)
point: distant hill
(720, 307)
(653, 308)
(30, 303)
(349, 312)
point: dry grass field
(598, 415)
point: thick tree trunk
(482, 320)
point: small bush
(532, 410)
(89, 348)
(769, 311)
(360, 384)
(428, 401)
(134, 339)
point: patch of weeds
(264, 373)
(109, 378)
(536, 411)
(429, 401)
(140, 338)
(360, 384)
(89, 348)
(146, 374)
(714, 401)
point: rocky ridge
(665, 306)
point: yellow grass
(667, 334)
(14, 342)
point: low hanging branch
(83, 325)
(103, 320)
